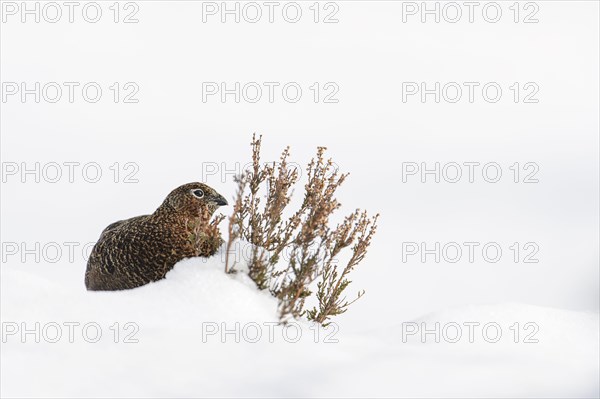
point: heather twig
(263, 195)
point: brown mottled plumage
(137, 251)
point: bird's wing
(115, 225)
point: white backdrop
(373, 126)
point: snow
(172, 137)
(183, 349)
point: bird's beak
(219, 200)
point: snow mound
(520, 323)
(196, 290)
(201, 332)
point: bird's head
(193, 200)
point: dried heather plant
(309, 245)
(263, 195)
(206, 238)
(263, 226)
(332, 284)
(234, 226)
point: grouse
(140, 250)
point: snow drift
(201, 332)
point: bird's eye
(198, 193)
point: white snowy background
(173, 137)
